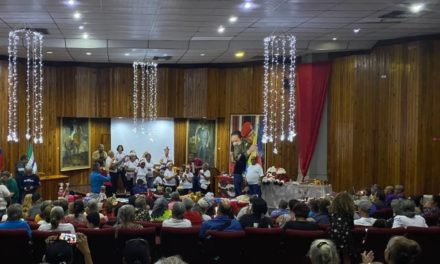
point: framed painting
(201, 141)
(251, 129)
(75, 143)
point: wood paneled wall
(384, 117)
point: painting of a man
(201, 141)
(75, 147)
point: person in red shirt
(193, 216)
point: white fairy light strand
(278, 52)
(135, 94)
(34, 85)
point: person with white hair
(186, 180)
(150, 169)
(406, 215)
(205, 178)
(130, 169)
(170, 177)
(29, 182)
(364, 207)
(177, 220)
(126, 218)
(141, 171)
(323, 251)
(56, 218)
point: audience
(93, 207)
(192, 215)
(175, 197)
(36, 204)
(27, 204)
(323, 251)
(201, 206)
(45, 213)
(136, 251)
(364, 207)
(142, 213)
(139, 187)
(60, 252)
(171, 260)
(160, 210)
(314, 208)
(284, 218)
(93, 220)
(56, 225)
(407, 215)
(257, 217)
(401, 250)
(125, 218)
(282, 209)
(177, 219)
(11, 185)
(431, 207)
(78, 217)
(389, 194)
(222, 222)
(378, 200)
(322, 217)
(14, 213)
(301, 211)
(5, 196)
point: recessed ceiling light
(127, 54)
(335, 38)
(415, 8)
(233, 19)
(88, 53)
(81, 27)
(202, 54)
(165, 54)
(49, 52)
(85, 35)
(221, 29)
(248, 5)
(71, 2)
(77, 15)
(239, 54)
(356, 30)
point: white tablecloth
(290, 190)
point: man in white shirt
(177, 219)
(364, 207)
(253, 175)
(205, 178)
(170, 177)
(186, 180)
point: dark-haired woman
(78, 217)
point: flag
(31, 163)
(1, 160)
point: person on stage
(112, 167)
(186, 180)
(121, 158)
(205, 178)
(19, 174)
(130, 170)
(254, 173)
(99, 155)
(141, 171)
(170, 177)
(150, 170)
(97, 179)
(30, 182)
(238, 156)
(165, 159)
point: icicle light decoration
(33, 42)
(279, 90)
(147, 92)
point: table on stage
(50, 186)
(273, 194)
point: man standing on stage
(19, 174)
(239, 158)
(99, 155)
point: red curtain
(312, 83)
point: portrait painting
(251, 129)
(75, 143)
(201, 141)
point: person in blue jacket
(97, 179)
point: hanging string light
(34, 85)
(279, 75)
(148, 92)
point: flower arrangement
(275, 176)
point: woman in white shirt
(170, 177)
(111, 167)
(121, 158)
(407, 215)
(56, 216)
(205, 178)
(177, 219)
(187, 180)
(150, 167)
(130, 170)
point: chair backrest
(157, 225)
(385, 213)
(256, 251)
(122, 235)
(101, 241)
(428, 239)
(39, 243)
(15, 247)
(297, 243)
(33, 225)
(181, 241)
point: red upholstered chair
(432, 220)
(181, 241)
(157, 225)
(148, 234)
(428, 239)
(376, 239)
(14, 245)
(39, 243)
(224, 247)
(385, 213)
(263, 245)
(101, 243)
(297, 244)
(33, 225)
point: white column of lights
(34, 85)
(279, 64)
(148, 92)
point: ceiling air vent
(162, 58)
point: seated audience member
(401, 250)
(11, 185)
(59, 251)
(175, 197)
(109, 209)
(139, 187)
(5, 196)
(418, 201)
(27, 204)
(14, 213)
(201, 206)
(364, 207)
(36, 204)
(93, 207)
(56, 216)
(431, 207)
(246, 209)
(284, 218)
(389, 195)
(399, 191)
(142, 213)
(125, 218)
(177, 219)
(192, 215)
(222, 222)
(314, 208)
(257, 217)
(323, 251)
(160, 210)
(379, 200)
(381, 223)
(136, 251)
(63, 203)
(93, 220)
(44, 217)
(322, 217)
(171, 260)
(282, 209)
(301, 211)
(407, 216)
(78, 216)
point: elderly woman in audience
(175, 197)
(322, 217)
(407, 215)
(45, 215)
(323, 251)
(160, 210)
(378, 199)
(93, 207)
(15, 214)
(78, 216)
(126, 218)
(177, 219)
(399, 250)
(93, 220)
(301, 211)
(257, 217)
(284, 218)
(201, 206)
(431, 207)
(142, 213)
(56, 218)
(364, 206)
(282, 209)
(192, 215)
